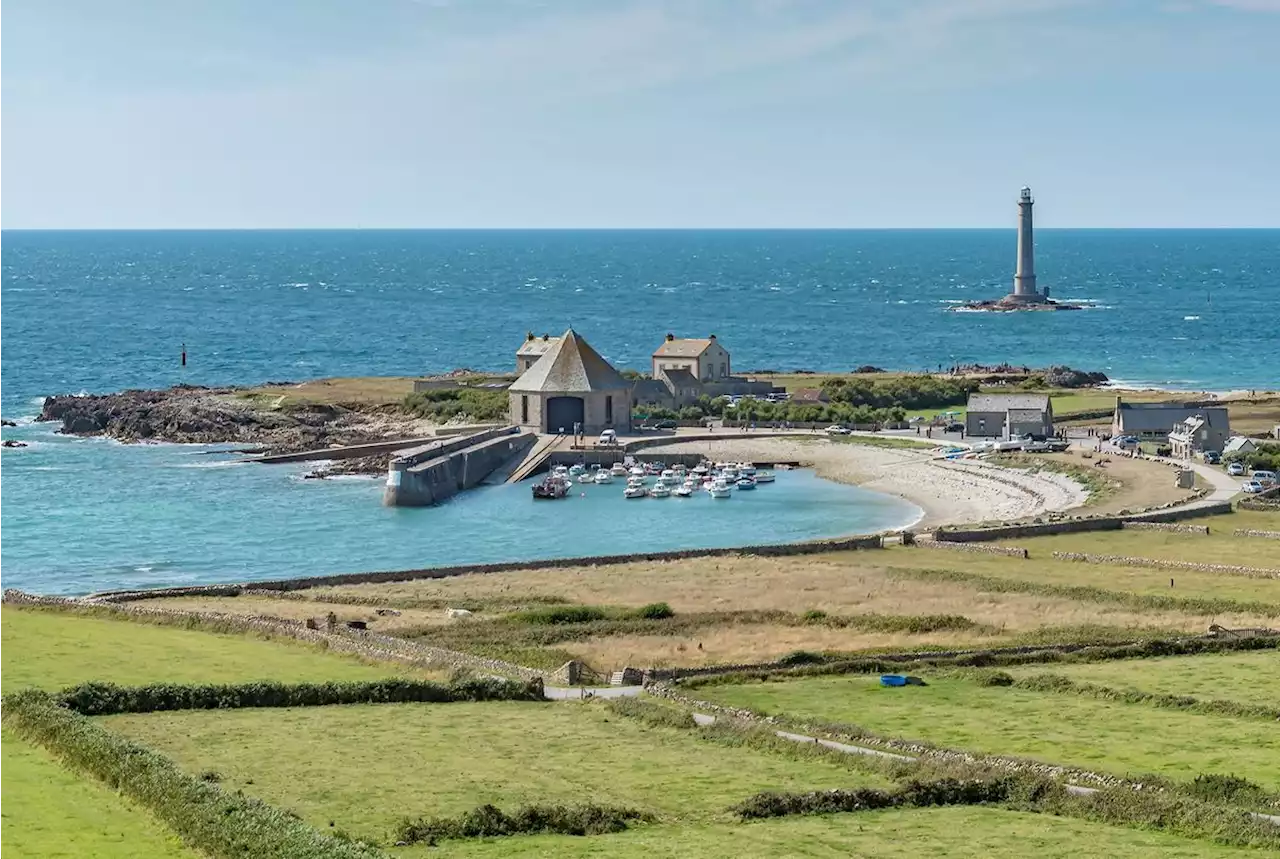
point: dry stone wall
(1249, 532)
(983, 548)
(370, 645)
(1159, 563)
(1073, 526)
(1172, 527)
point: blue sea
(101, 311)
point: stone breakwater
(1159, 563)
(981, 548)
(1172, 527)
(369, 645)
(1249, 532)
(909, 748)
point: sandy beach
(949, 492)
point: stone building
(1008, 415)
(1190, 438)
(705, 360)
(532, 349)
(1155, 421)
(571, 384)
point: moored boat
(746, 483)
(660, 490)
(720, 489)
(633, 491)
(551, 487)
(603, 476)
(618, 470)
(684, 490)
(764, 477)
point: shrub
(801, 657)
(1213, 787)
(443, 404)
(814, 614)
(654, 715)
(212, 821)
(554, 615)
(101, 699)
(913, 794)
(654, 611)
(994, 678)
(488, 821)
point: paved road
(576, 693)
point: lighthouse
(1024, 277)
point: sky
(638, 113)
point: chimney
(670, 336)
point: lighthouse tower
(1024, 278)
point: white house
(705, 360)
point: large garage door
(563, 413)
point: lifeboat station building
(569, 385)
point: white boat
(700, 469)
(660, 490)
(667, 476)
(746, 469)
(637, 471)
(746, 483)
(635, 492)
(684, 490)
(729, 473)
(720, 489)
(603, 476)
(618, 470)
(764, 477)
(576, 469)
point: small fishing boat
(746, 468)
(633, 491)
(667, 476)
(684, 490)
(764, 477)
(576, 469)
(720, 489)
(701, 469)
(746, 483)
(551, 487)
(637, 471)
(660, 490)
(729, 473)
(651, 468)
(603, 476)
(618, 470)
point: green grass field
(1216, 548)
(1252, 677)
(1055, 728)
(951, 833)
(53, 650)
(366, 767)
(50, 812)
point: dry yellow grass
(370, 391)
(843, 583)
(290, 609)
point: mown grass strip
(220, 824)
(1086, 593)
(105, 699)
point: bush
(488, 821)
(101, 699)
(654, 611)
(814, 614)
(994, 678)
(801, 657)
(443, 404)
(654, 715)
(207, 818)
(1212, 787)
(913, 794)
(554, 615)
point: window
(608, 409)
(524, 409)
(723, 371)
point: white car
(836, 429)
(1266, 478)
(1252, 486)
(1236, 469)
(608, 438)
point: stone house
(705, 360)
(532, 349)
(1239, 444)
(1007, 415)
(571, 384)
(1189, 437)
(1155, 421)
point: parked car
(1212, 457)
(1266, 478)
(608, 437)
(955, 426)
(1058, 445)
(1236, 469)
(659, 425)
(836, 429)
(1253, 486)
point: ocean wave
(1190, 318)
(220, 464)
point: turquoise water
(112, 516)
(100, 311)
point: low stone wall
(984, 548)
(837, 544)
(1248, 532)
(1158, 563)
(892, 745)
(1074, 526)
(370, 645)
(1172, 527)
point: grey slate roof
(1160, 417)
(682, 378)
(570, 366)
(1004, 402)
(1239, 442)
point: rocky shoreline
(188, 414)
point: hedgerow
(1060, 683)
(654, 715)
(488, 821)
(913, 794)
(101, 699)
(214, 822)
